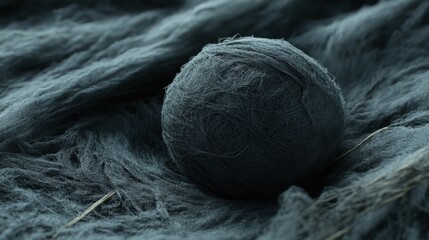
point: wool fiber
(249, 117)
(82, 85)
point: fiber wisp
(249, 117)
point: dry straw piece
(375, 193)
(84, 213)
(359, 144)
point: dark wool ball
(249, 117)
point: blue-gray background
(81, 86)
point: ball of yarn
(249, 117)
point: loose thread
(359, 144)
(84, 213)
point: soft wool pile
(81, 90)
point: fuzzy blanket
(81, 88)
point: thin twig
(90, 209)
(86, 212)
(359, 144)
(339, 234)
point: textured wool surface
(81, 90)
(249, 117)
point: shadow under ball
(247, 118)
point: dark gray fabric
(249, 117)
(81, 90)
